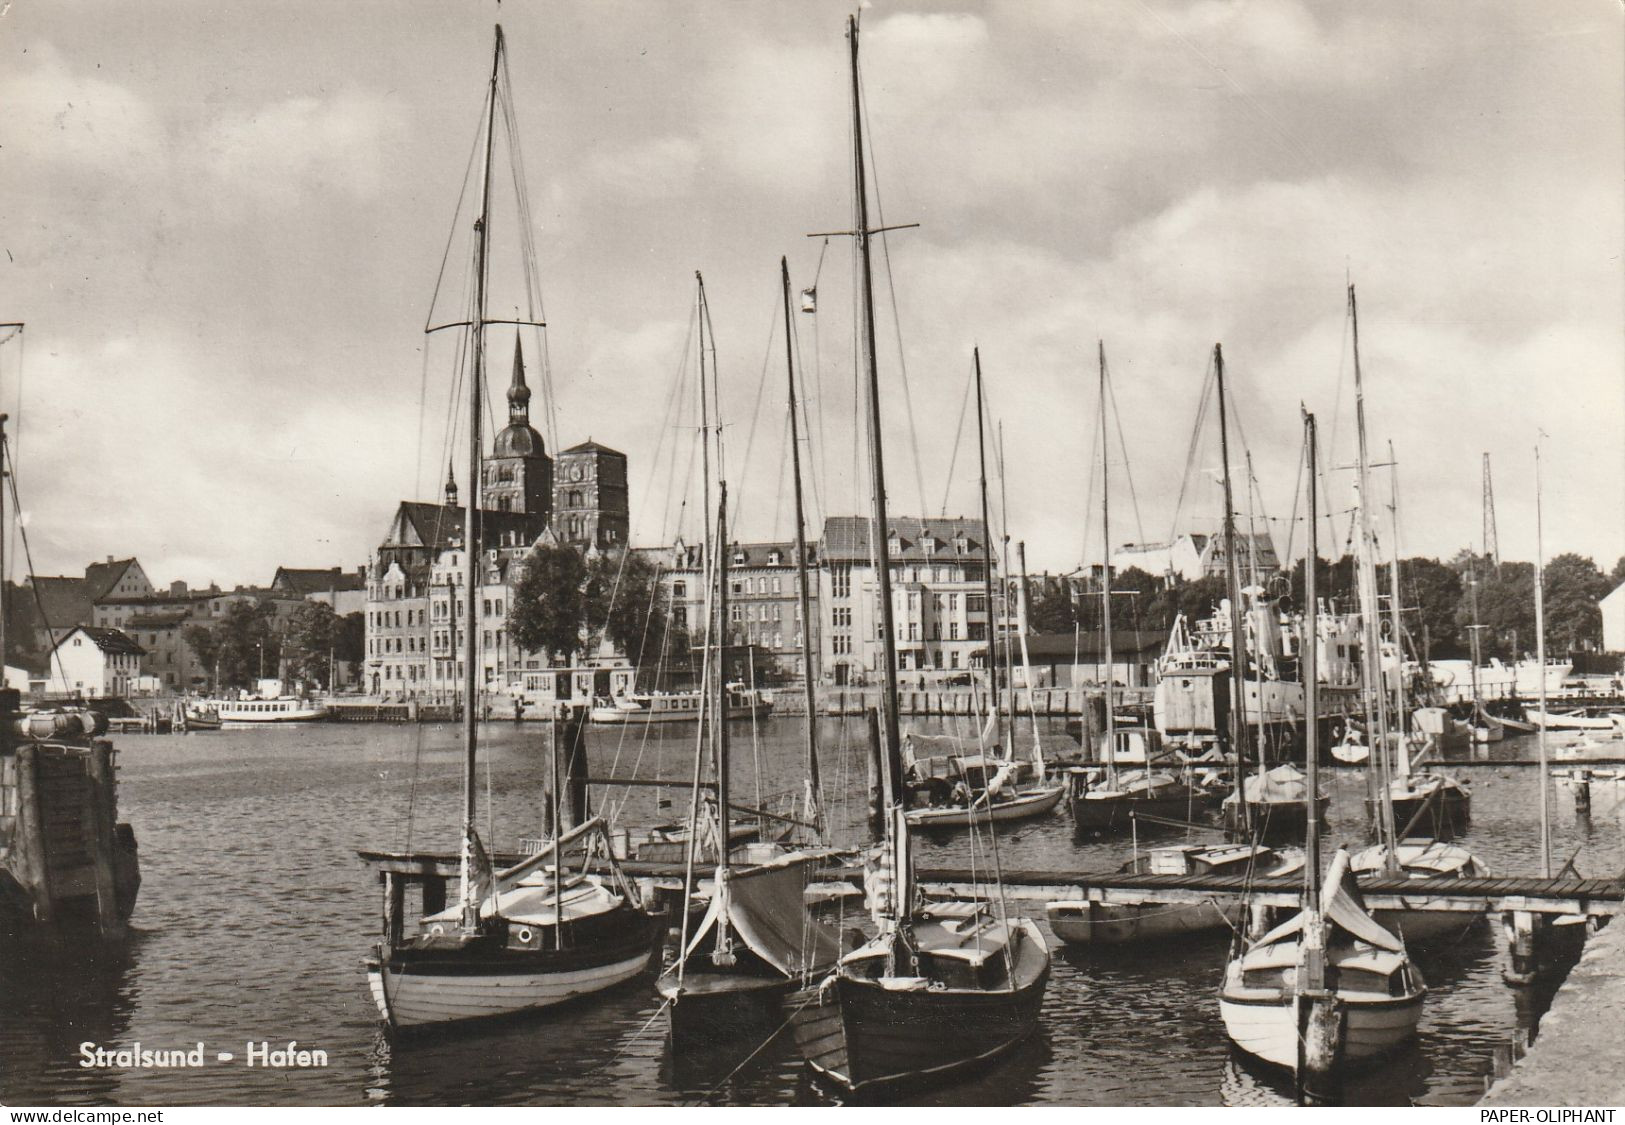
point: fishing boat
(756, 941)
(1077, 922)
(642, 708)
(200, 716)
(942, 987)
(534, 935)
(1328, 984)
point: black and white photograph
(615, 553)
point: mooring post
(1322, 1021)
(1519, 928)
(99, 803)
(1582, 792)
(394, 909)
(1259, 918)
(31, 835)
(877, 814)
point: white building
(1613, 620)
(92, 662)
(1196, 556)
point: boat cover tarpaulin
(1341, 905)
(1285, 782)
(766, 910)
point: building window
(840, 579)
(679, 589)
(953, 630)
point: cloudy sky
(223, 224)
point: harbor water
(255, 916)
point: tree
(311, 635)
(547, 608)
(1051, 610)
(1573, 586)
(623, 599)
(1435, 592)
(1506, 604)
(243, 641)
(350, 646)
(1617, 575)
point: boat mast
(815, 799)
(892, 771)
(1004, 601)
(1106, 575)
(1238, 638)
(724, 947)
(1540, 659)
(1394, 610)
(1376, 694)
(471, 512)
(987, 539)
(1311, 685)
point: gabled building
(1194, 556)
(344, 590)
(1613, 619)
(94, 663)
(63, 601)
(764, 606)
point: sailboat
(534, 935)
(943, 986)
(959, 789)
(1328, 984)
(68, 868)
(1114, 799)
(756, 941)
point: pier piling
(1322, 1028)
(1520, 928)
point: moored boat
(1422, 858)
(641, 708)
(1274, 804)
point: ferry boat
(637, 708)
(268, 704)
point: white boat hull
(617, 716)
(415, 1000)
(1030, 804)
(1269, 1030)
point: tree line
(1438, 599)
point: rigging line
(755, 418)
(534, 295)
(959, 433)
(1193, 450)
(896, 315)
(778, 492)
(1122, 444)
(451, 236)
(28, 557)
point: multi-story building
(344, 590)
(93, 662)
(764, 607)
(939, 603)
(590, 502)
(59, 602)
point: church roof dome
(519, 440)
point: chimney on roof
(109, 558)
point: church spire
(451, 486)
(518, 392)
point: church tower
(519, 473)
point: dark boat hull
(714, 1008)
(1447, 815)
(861, 1036)
(1276, 820)
(1117, 815)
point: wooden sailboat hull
(1100, 923)
(1268, 1029)
(415, 988)
(859, 1035)
(1034, 802)
(1273, 820)
(1450, 810)
(715, 1008)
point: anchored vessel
(531, 936)
(942, 986)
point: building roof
(114, 642)
(164, 619)
(1090, 644)
(101, 577)
(435, 526)
(846, 538)
(307, 581)
(63, 600)
(590, 446)
(761, 554)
